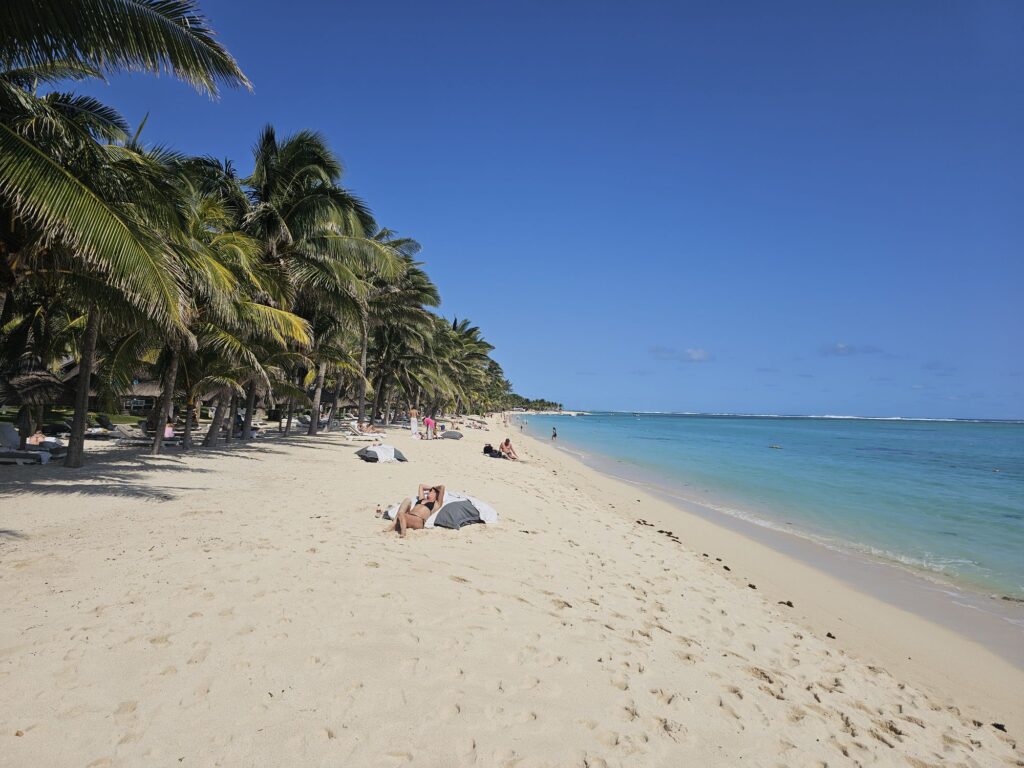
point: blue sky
(795, 207)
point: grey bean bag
(375, 453)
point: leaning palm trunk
(334, 404)
(233, 418)
(362, 379)
(186, 439)
(314, 417)
(280, 422)
(389, 416)
(288, 424)
(76, 443)
(250, 406)
(380, 387)
(218, 420)
(166, 398)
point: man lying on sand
(413, 513)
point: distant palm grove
(122, 262)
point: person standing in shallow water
(554, 433)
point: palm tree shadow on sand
(133, 473)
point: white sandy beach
(242, 607)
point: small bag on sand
(487, 449)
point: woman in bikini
(413, 513)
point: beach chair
(128, 435)
(55, 429)
(349, 430)
(11, 441)
(23, 457)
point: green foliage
(279, 285)
(518, 401)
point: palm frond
(51, 198)
(134, 35)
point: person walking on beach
(554, 433)
(414, 424)
(414, 513)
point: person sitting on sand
(508, 451)
(413, 513)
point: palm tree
(314, 236)
(224, 326)
(393, 300)
(45, 41)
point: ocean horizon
(739, 415)
(940, 497)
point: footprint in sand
(200, 654)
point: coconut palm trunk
(314, 417)
(379, 387)
(233, 417)
(218, 420)
(288, 424)
(186, 439)
(163, 408)
(362, 379)
(76, 443)
(250, 406)
(334, 403)
(388, 402)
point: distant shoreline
(771, 416)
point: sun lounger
(11, 441)
(131, 435)
(127, 435)
(23, 457)
(55, 429)
(350, 431)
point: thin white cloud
(939, 368)
(842, 349)
(688, 355)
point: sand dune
(243, 607)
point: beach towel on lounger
(485, 511)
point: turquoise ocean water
(944, 498)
